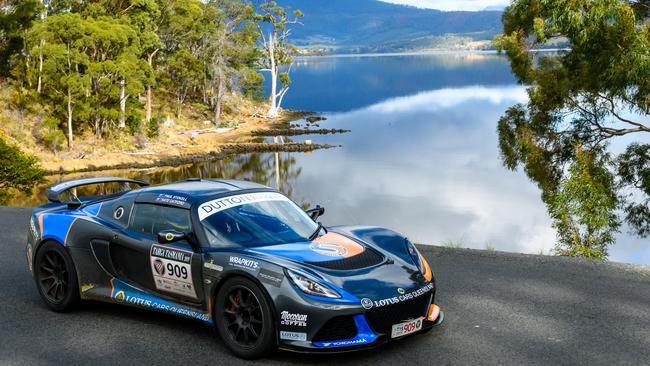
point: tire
(56, 277)
(243, 318)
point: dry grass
(189, 135)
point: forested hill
(375, 26)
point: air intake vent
(337, 328)
(369, 257)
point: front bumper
(366, 338)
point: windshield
(255, 219)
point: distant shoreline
(418, 53)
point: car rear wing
(54, 192)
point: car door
(171, 270)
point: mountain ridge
(340, 26)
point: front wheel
(243, 318)
(56, 278)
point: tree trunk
(40, 53)
(40, 68)
(217, 108)
(69, 118)
(179, 106)
(123, 98)
(149, 96)
(149, 101)
(273, 110)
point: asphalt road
(501, 309)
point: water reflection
(336, 84)
(275, 170)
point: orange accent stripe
(112, 286)
(352, 246)
(65, 241)
(428, 275)
(434, 312)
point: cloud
(449, 5)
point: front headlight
(311, 286)
(419, 261)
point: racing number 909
(177, 270)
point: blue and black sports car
(234, 254)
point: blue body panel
(126, 294)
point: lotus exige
(239, 256)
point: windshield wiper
(318, 229)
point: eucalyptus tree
(65, 83)
(277, 49)
(16, 18)
(229, 45)
(580, 100)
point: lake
(421, 157)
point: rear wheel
(243, 318)
(56, 278)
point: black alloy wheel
(55, 277)
(243, 318)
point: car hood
(362, 269)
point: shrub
(51, 134)
(19, 170)
(153, 128)
(133, 123)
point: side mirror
(171, 236)
(316, 212)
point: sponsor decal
(244, 263)
(119, 296)
(293, 319)
(401, 291)
(171, 199)
(369, 304)
(332, 250)
(146, 301)
(336, 245)
(212, 207)
(212, 266)
(270, 277)
(169, 236)
(118, 213)
(293, 336)
(366, 303)
(159, 266)
(171, 253)
(347, 342)
(172, 270)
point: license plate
(403, 329)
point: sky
(470, 5)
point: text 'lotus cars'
(236, 255)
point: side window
(151, 219)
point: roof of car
(186, 193)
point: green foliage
(51, 134)
(133, 124)
(252, 84)
(18, 171)
(583, 208)
(579, 100)
(153, 128)
(16, 17)
(634, 171)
